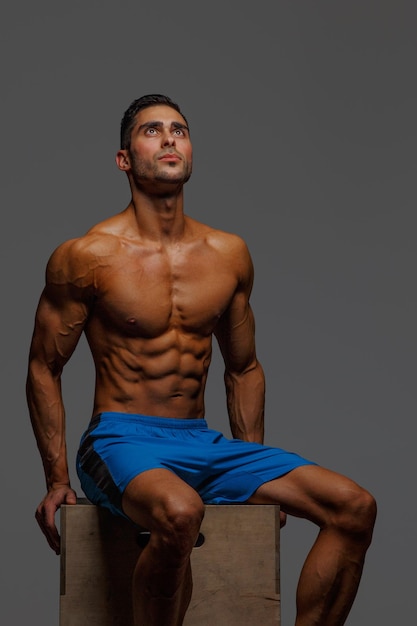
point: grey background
(303, 124)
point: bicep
(236, 335)
(59, 322)
(63, 307)
(235, 331)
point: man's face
(160, 148)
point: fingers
(46, 511)
(45, 516)
(71, 497)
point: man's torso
(152, 313)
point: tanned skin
(150, 287)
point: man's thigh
(311, 491)
(155, 494)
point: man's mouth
(169, 156)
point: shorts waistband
(150, 420)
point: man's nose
(168, 139)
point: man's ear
(122, 160)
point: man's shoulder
(231, 253)
(233, 249)
(102, 238)
(79, 249)
(75, 260)
(220, 239)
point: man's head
(129, 117)
(156, 146)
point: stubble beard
(147, 171)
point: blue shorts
(118, 446)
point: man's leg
(345, 514)
(172, 512)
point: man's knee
(176, 526)
(358, 513)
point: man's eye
(151, 131)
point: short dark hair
(137, 105)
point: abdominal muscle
(163, 377)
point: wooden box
(235, 570)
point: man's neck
(159, 217)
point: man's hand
(282, 519)
(45, 513)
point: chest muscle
(149, 295)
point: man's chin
(174, 178)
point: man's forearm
(246, 403)
(47, 415)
